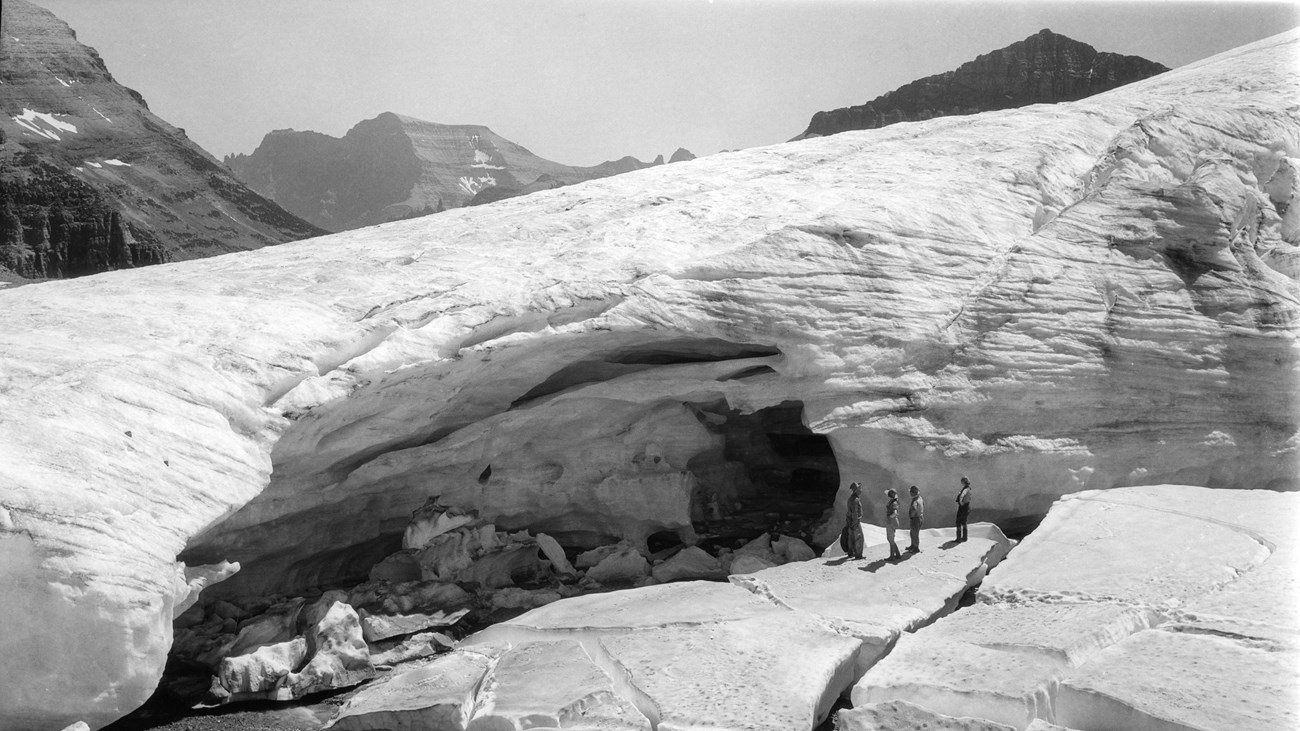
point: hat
(890, 492)
(914, 488)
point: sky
(583, 81)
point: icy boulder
(331, 655)
(261, 673)
(1165, 607)
(899, 715)
(437, 695)
(432, 520)
(1047, 299)
(689, 564)
(700, 654)
(551, 685)
(623, 565)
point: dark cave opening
(772, 474)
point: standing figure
(891, 522)
(963, 509)
(917, 514)
(851, 539)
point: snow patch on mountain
(32, 121)
(473, 185)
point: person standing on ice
(851, 538)
(963, 509)
(891, 522)
(917, 514)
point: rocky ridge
(91, 180)
(1044, 68)
(394, 167)
(1087, 295)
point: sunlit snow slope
(1046, 299)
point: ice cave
(591, 442)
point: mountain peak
(1043, 68)
(95, 181)
(394, 166)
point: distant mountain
(1045, 67)
(91, 180)
(394, 167)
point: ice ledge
(1163, 606)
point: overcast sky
(581, 81)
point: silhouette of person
(963, 509)
(851, 538)
(891, 522)
(917, 514)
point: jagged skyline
(585, 82)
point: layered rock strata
(394, 167)
(1044, 68)
(91, 180)
(1163, 607)
(1054, 298)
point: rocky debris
(1047, 299)
(92, 181)
(1142, 607)
(383, 597)
(1044, 68)
(395, 167)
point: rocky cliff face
(1045, 67)
(1062, 297)
(394, 167)
(91, 180)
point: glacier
(1049, 300)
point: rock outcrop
(91, 180)
(394, 167)
(1085, 295)
(1044, 68)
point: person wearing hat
(851, 538)
(891, 522)
(963, 509)
(917, 513)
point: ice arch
(596, 438)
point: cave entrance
(771, 473)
